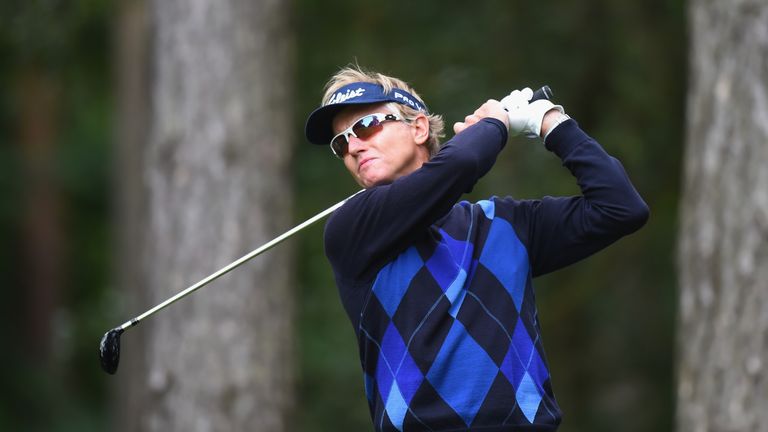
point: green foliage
(66, 45)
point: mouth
(363, 163)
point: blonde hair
(354, 73)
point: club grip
(543, 93)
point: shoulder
(341, 221)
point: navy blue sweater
(440, 292)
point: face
(396, 149)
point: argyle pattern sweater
(440, 293)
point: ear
(420, 129)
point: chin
(370, 184)
(372, 181)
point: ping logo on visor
(363, 128)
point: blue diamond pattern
(396, 407)
(442, 267)
(384, 377)
(408, 377)
(449, 265)
(538, 370)
(393, 280)
(456, 293)
(523, 358)
(505, 257)
(528, 397)
(462, 373)
(525, 369)
(396, 368)
(461, 251)
(489, 208)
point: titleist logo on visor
(344, 96)
(358, 93)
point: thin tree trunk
(42, 212)
(723, 253)
(132, 62)
(216, 172)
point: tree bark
(132, 60)
(723, 245)
(217, 182)
(43, 240)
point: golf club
(109, 348)
(542, 93)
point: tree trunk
(132, 62)
(723, 252)
(43, 240)
(217, 182)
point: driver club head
(109, 350)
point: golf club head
(109, 350)
(543, 93)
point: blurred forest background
(618, 67)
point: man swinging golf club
(440, 292)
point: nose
(355, 145)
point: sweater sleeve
(381, 221)
(562, 230)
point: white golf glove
(524, 117)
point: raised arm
(380, 222)
(562, 230)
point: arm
(380, 222)
(563, 230)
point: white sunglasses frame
(381, 117)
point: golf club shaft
(543, 93)
(269, 245)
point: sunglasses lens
(363, 128)
(339, 145)
(366, 126)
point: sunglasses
(363, 128)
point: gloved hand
(525, 117)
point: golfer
(439, 291)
